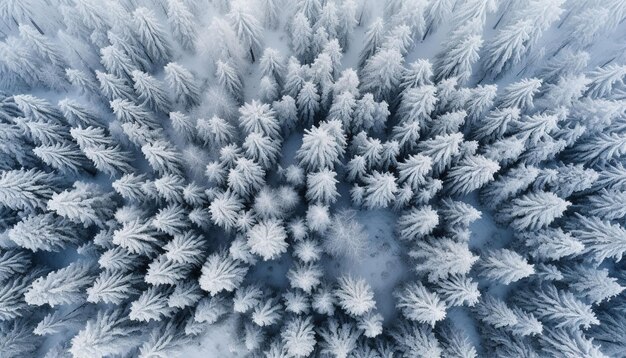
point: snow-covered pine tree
(152, 35)
(267, 239)
(551, 243)
(442, 257)
(460, 52)
(65, 286)
(558, 307)
(382, 73)
(301, 36)
(602, 239)
(532, 211)
(379, 190)
(183, 84)
(504, 266)
(298, 336)
(221, 273)
(27, 189)
(458, 290)
(338, 338)
(593, 283)
(87, 203)
(419, 304)
(417, 223)
(355, 295)
(111, 332)
(471, 173)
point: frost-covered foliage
(312, 178)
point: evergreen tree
(319, 149)
(171, 220)
(417, 223)
(247, 27)
(382, 73)
(152, 35)
(457, 344)
(113, 87)
(229, 78)
(116, 62)
(355, 295)
(520, 94)
(599, 149)
(447, 123)
(508, 185)
(533, 211)
(298, 336)
(471, 173)
(380, 189)
(606, 205)
(64, 157)
(418, 103)
(150, 91)
(164, 339)
(287, 113)
(479, 100)
(181, 21)
(259, 117)
(460, 52)
(551, 244)
(419, 304)
(308, 103)
(261, 149)
(564, 342)
(163, 157)
(301, 36)
(267, 239)
(565, 180)
(458, 290)
(442, 257)
(338, 339)
(592, 283)
(137, 237)
(61, 287)
(267, 313)
(508, 46)
(414, 340)
(436, 12)
(371, 324)
(321, 187)
(26, 189)
(221, 273)
(458, 213)
(305, 277)
(441, 149)
(86, 203)
(215, 131)
(113, 287)
(373, 40)
(495, 312)
(45, 232)
(246, 177)
(504, 266)
(602, 239)
(559, 307)
(109, 333)
(151, 305)
(224, 209)
(271, 13)
(182, 82)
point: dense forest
(333, 178)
